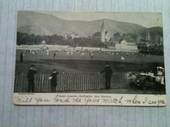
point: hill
(44, 24)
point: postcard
(89, 58)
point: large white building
(125, 46)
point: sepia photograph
(90, 53)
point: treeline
(146, 47)
(31, 39)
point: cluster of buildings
(121, 45)
(150, 36)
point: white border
(89, 99)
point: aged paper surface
(88, 99)
(89, 58)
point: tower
(148, 36)
(103, 32)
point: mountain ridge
(43, 24)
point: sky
(146, 19)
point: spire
(102, 32)
(102, 26)
(148, 37)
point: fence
(69, 81)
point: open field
(123, 57)
(80, 70)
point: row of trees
(146, 47)
(29, 39)
(94, 40)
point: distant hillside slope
(43, 24)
